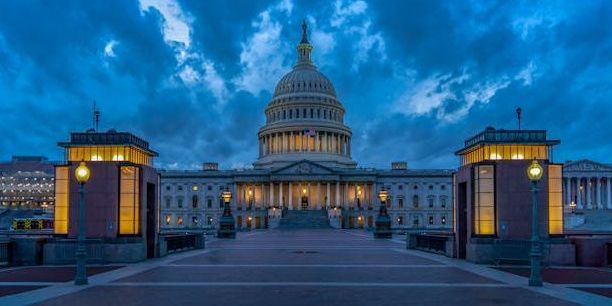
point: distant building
(26, 182)
(587, 195)
(305, 164)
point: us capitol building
(305, 168)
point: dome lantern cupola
(304, 48)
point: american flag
(310, 132)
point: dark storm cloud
(554, 59)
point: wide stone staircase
(300, 219)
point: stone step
(294, 219)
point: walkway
(304, 267)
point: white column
(346, 195)
(588, 193)
(327, 196)
(598, 197)
(280, 194)
(271, 194)
(609, 202)
(355, 195)
(337, 194)
(318, 195)
(375, 195)
(568, 189)
(579, 192)
(290, 197)
(308, 193)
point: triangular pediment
(304, 167)
(586, 165)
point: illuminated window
(484, 202)
(61, 200)
(180, 220)
(555, 206)
(194, 187)
(167, 219)
(443, 220)
(504, 152)
(129, 201)
(209, 220)
(108, 153)
(194, 221)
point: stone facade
(418, 199)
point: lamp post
(227, 226)
(82, 175)
(383, 221)
(534, 172)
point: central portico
(306, 185)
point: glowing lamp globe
(227, 196)
(383, 195)
(82, 173)
(535, 171)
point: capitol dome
(304, 119)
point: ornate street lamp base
(231, 234)
(383, 229)
(227, 229)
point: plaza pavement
(301, 267)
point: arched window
(324, 114)
(284, 114)
(318, 113)
(415, 201)
(304, 113)
(194, 201)
(290, 114)
(297, 113)
(311, 113)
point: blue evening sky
(416, 77)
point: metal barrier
(430, 243)
(176, 243)
(5, 252)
